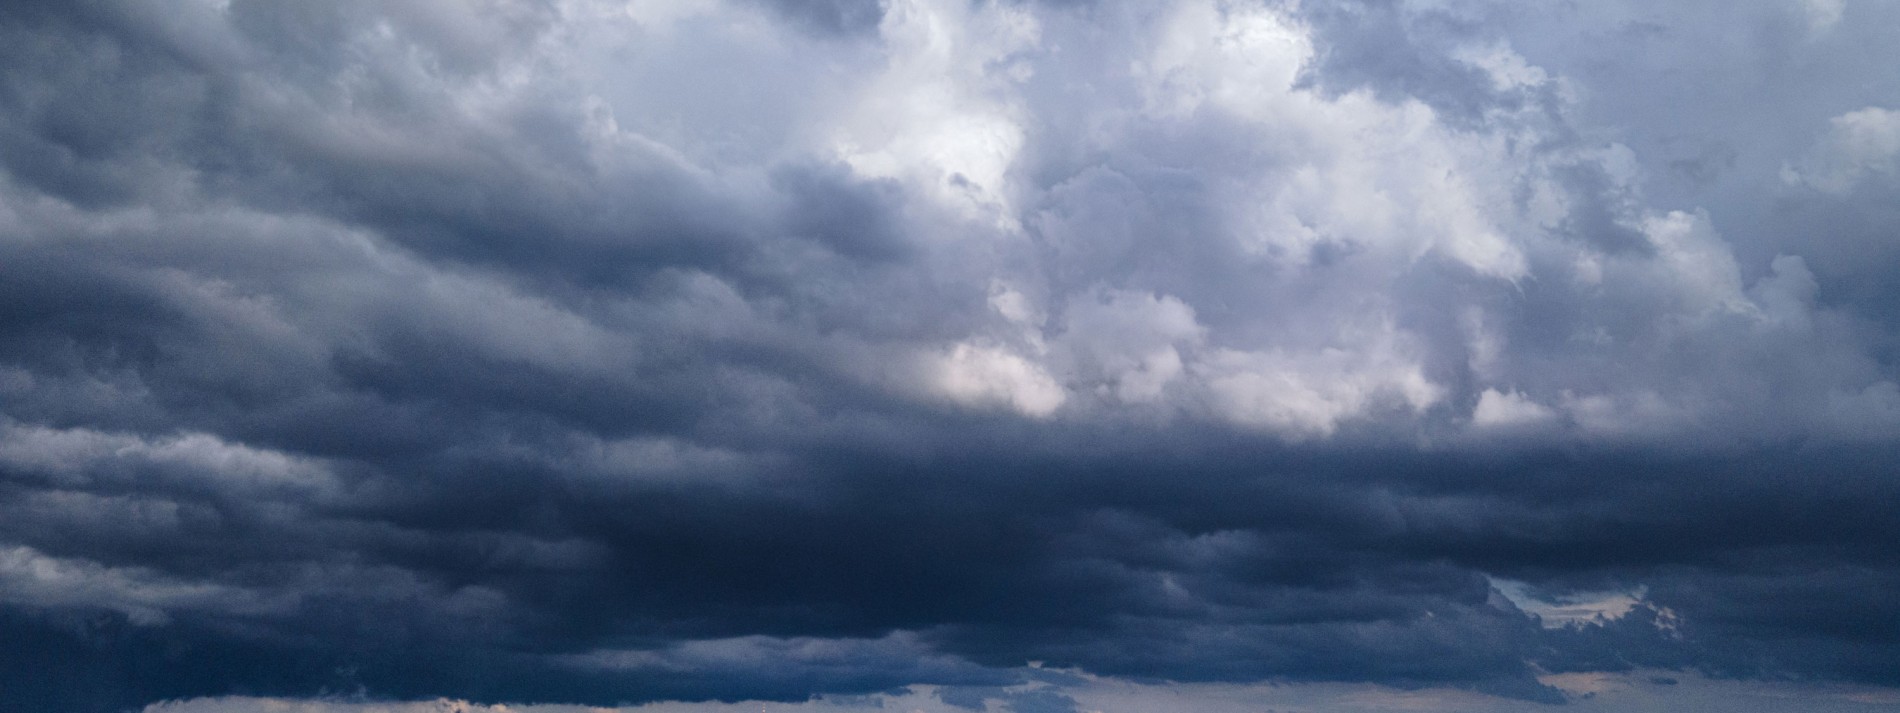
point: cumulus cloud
(591, 352)
(1859, 145)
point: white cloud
(940, 115)
(1785, 296)
(1129, 344)
(1240, 57)
(1859, 145)
(1310, 395)
(1692, 259)
(1179, 151)
(1038, 145)
(985, 375)
(1507, 409)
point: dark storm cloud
(1241, 575)
(579, 352)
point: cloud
(34, 579)
(1505, 409)
(1636, 690)
(585, 352)
(978, 374)
(1859, 145)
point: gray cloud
(581, 352)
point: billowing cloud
(1859, 145)
(579, 352)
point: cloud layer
(589, 352)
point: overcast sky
(1022, 356)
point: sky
(1004, 356)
